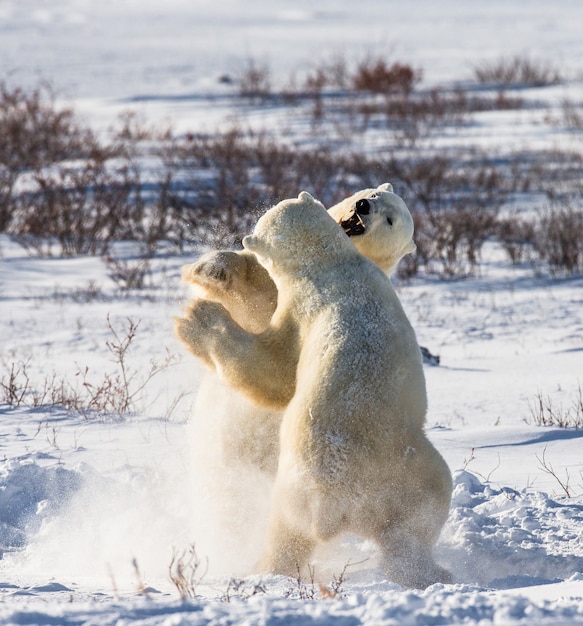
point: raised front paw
(203, 316)
(201, 325)
(215, 272)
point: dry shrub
(222, 183)
(549, 237)
(410, 117)
(450, 241)
(149, 187)
(185, 573)
(558, 237)
(242, 589)
(281, 171)
(445, 107)
(316, 80)
(15, 384)
(377, 76)
(278, 166)
(77, 193)
(128, 274)
(254, 79)
(455, 207)
(556, 174)
(517, 235)
(212, 191)
(80, 207)
(329, 73)
(544, 411)
(416, 118)
(321, 171)
(435, 103)
(115, 393)
(34, 133)
(572, 115)
(517, 71)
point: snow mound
(30, 493)
(505, 538)
(495, 537)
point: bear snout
(363, 207)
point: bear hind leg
(408, 560)
(287, 550)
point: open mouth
(354, 225)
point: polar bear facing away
(341, 359)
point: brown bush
(454, 239)
(455, 208)
(80, 208)
(84, 194)
(572, 115)
(376, 76)
(34, 133)
(254, 79)
(517, 235)
(333, 72)
(558, 237)
(210, 191)
(551, 238)
(518, 71)
(277, 165)
(222, 183)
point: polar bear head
(296, 233)
(379, 223)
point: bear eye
(390, 221)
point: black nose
(363, 207)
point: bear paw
(202, 323)
(215, 272)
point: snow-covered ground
(93, 508)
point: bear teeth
(353, 225)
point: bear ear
(251, 243)
(305, 197)
(385, 187)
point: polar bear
(249, 433)
(340, 358)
